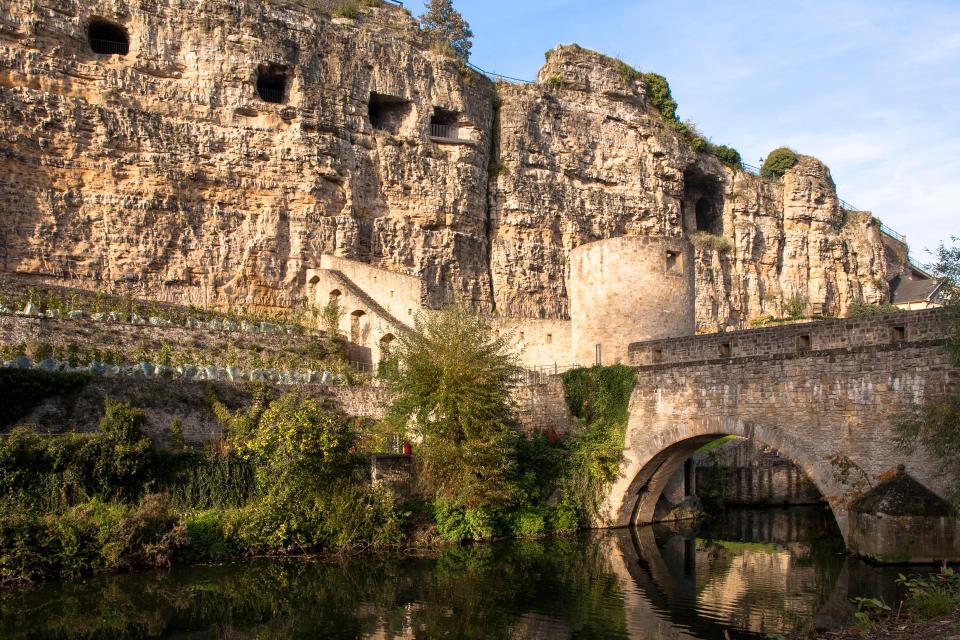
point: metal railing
(270, 95)
(749, 168)
(893, 234)
(498, 77)
(109, 47)
(395, 3)
(447, 132)
(541, 374)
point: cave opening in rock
(108, 38)
(702, 203)
(272, 83)
(388, 113)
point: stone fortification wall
(543, 407)
(744, 472)
(541, 344)
(166, 400)
(627, 289)
(880, 331)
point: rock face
(165, 172)
(583, 156)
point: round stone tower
(629, 289)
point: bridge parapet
(786, 340)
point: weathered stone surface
(826, 403)
(584, 156)
(161, 172)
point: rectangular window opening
(898, 334)
(658, 355)
(803, 343)
(725, 350)
(674, 262)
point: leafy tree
(452, 388)
(778, 162)
(446, 27)
(935, 423)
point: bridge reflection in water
(744, 574)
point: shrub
(778, 163)
(726, 155)
(859, 308)
(704, 240)
(795, 306)
(348, 9)
(453, 389)
(555, 81)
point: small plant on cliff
(795, 306)
(452, 387)
(704, 240)
(555, 81)
(347, 9)
(778, 163)
(445, 25)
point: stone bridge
(823, 394)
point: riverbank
(943, 628)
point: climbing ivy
(599, 399)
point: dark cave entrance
(108, 38)
(702, 203)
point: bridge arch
(656, 451)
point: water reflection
(748, 573)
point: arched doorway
(356, 326)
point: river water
(747, 573)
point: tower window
(108, 38)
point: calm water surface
(749, 573)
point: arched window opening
(272, 83)
(386, 342)
(108, 38)
(335, 295)
(355, 326)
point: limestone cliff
(584, 156)
(165, 171)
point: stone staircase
(378, 309)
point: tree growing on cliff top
(452, 388)
(447, 29)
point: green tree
(452, 388)
(935, 423)
(778, 162)
(446, 27)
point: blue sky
(870, 88)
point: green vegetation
(447, 29)
(778, 162)
(796, 306)
(935, 423)
(933, 595)
(555, 81)
(704, 240)
(660, 96)
(347, 9)
(292, 476)
(859, 308)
